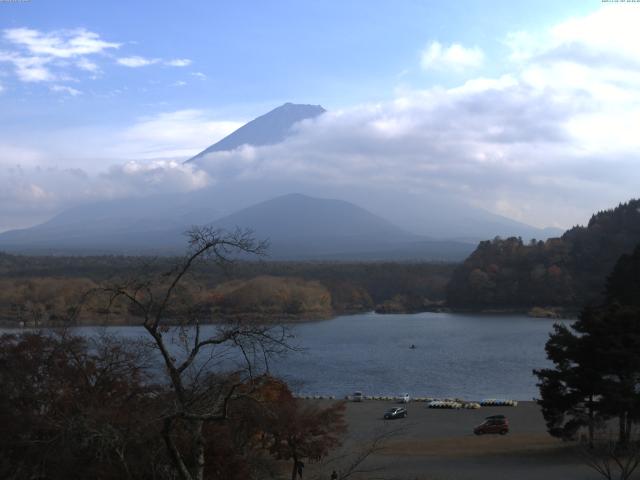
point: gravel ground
(440, 445)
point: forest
(42, 290)
(566, 272)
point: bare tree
(352, 462)
(612, 459)
(201, 389)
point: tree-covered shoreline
(566, 272)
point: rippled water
(467, 356)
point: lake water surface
(468, 356)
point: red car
(493, 424)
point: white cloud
(59, 43)
(137, 61)
(199, 75)
(608, 33)
(35, 55)
(607, 37)
(158, 176)
(46, 56)
(29, 69)
(65, 89)
(87, 65)
(170, 135)
(594, 60)
(454, 57)
(178, 62)
(31, 193)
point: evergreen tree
(571, 392)
(596, 372)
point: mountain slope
(297, 227)
(268, 129)
(569, 271)
(303, 227)
(301, 216)
(116, 226)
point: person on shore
(334, 475)
(300, 467)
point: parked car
(493, 424)
(396, 412)
(404, 398)
(357, 397)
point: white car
(404, 398)
(357, 397)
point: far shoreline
(568, 314)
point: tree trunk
(199, 449)
(294, 472)
(621, 429)
(591, 422)
(623, 432)
(174, 454)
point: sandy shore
(440, 444)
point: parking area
(440, 444)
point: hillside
(569, 271)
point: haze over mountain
(299, 226)
(268, 129)
(296, 226)
(374, 221)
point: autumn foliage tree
(297, 431)
(76, 408)
(72, 407)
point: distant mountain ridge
(268, 129)
(302, 227)
(300, 216)
(297, 226)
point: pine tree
(596, 374)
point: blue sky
(256, 54)
(523, 108)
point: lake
(468, 356)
